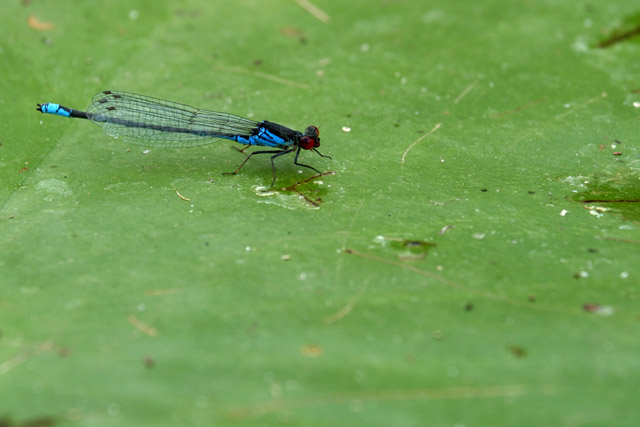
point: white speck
(624, 274)
(275, 389)
(587, 23)
(636, 104)
(605, 310)
(146, 151)
(346, 129)
(584, 274)
(379, 239)
(142, 307)
(403, 80)
(397, 74)
(320, 73)
(514, 242)
(364, 47)
(564, 212)
(423, 90)
(324, 61)
(54, 186)
(439, 267)
(478, 236)
(625, 227)
(302, 276)
(291, 385)
(285, 257)
(567, 105)
(113, 409)
(248, 248)
(133, 14)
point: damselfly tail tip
(39, 107)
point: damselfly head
(310, 139)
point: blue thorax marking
(264, 137)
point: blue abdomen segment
(264, 137)
(56, 109)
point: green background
(489, 279)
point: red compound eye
(308, 142)
(310, 139)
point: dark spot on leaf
(517, 351)
(411, 249)
(148, 362)
(43, 421)
(630, 28)
(591, 307)
(468, 306)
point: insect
(154, 122)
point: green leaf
(473, 260)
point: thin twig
(314, 11)
(465, 92)
(141, 326)
(347, 308)
(294, 187)
(444, 393)
(181, 196)
(19, 359)
(420, 139)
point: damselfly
(153, 122)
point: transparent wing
(155, 122)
